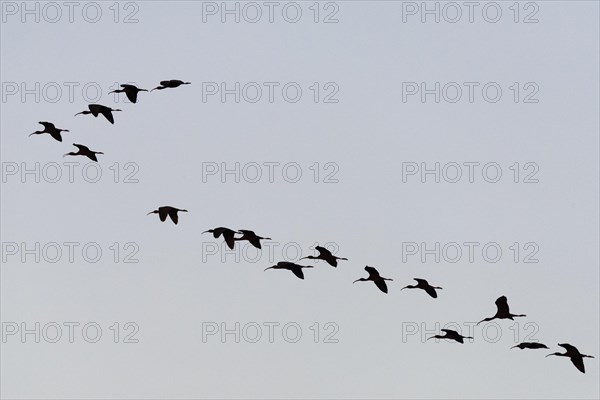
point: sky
(463, 151)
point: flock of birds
(229, 236)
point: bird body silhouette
(97, 109)
(452, 335)
(228, 235)
(173, 83)
(84, 151)
(295, 268)
(502, 312)
(131, 91)
(252, 237)
(376, 278)
(167, 210)
(325, 255)
(574, 354)
(530, 345)
(50, 129)
(423, 284)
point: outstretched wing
(56, 135)
(48, 125)
(165, 83)
(381, 285)
(569, 348)
(298, 272)
(431, 291)
(502, 305)
(132, 95)
(162, 213)
(92, 156)
(578, 363)
(108, 114)
(373, 273)
(95, 109)
(229, 238)
(323, 252)
(173, 215)
(81, 147)
(255, 241)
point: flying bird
(423, 284)
(84, 151)
(173, 83)
(502, 312)
(167, 210)
(530, 345)
(325, 255)
(96, 109)
(51, 129)
(295, 268)
(131, 91)
(452, 335)
(252, 237)
(375, 277)
(228, 235)
(574, 354)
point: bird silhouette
(131, 91)
(51, 129)
(423, 284)
(325, 255)
(96, 109)
(167, 210)
(574, 354)
(295, 268)
(228, 235)
(503, 312)
(375, 277)
(173, 83)
(252, 237)
(84, 151)
(452, 335)
(530, 345)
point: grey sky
(178, 287)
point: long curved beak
(154, 88)
(206, 232)
(358, 280)
(31, 134)
(550, 355)
(78, 113)
(151, 212)
(268, 268)
(64, 155)
(405, 287)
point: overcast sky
(309, 123)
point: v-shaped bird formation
(231, 236)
